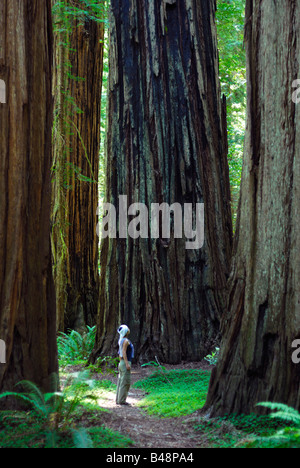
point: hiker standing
(126, 354)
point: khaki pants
(124, 382)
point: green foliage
(62, 404)
(74, 347)
(55, 409)
(151, 364)
(284, 413)
(72, 170)
(104, 104)
(275, 430)
(54, 419)
(288, 420)
(77, 388)
(22, 430)
(216, 433)
(212, 358)
(241, 431)
(82, 11)
(260, 425)
(82, 438)
(43, 404)
(105, 365)
(161, 369)
(25, 430)
(174, 393)
(230, 25)
(70, 418)
(105, 438)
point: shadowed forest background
(165, 101)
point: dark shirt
(129, 351)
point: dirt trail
(150, 431)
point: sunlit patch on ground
(107, 400)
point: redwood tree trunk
(263, 309)
(166, 144)
(78, 87)
(27, 296)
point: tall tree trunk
(78, 87)
(27, 296)
(166, 144)
(263, 313)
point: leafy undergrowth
(74, 420)
(72, 417)
(174, 393)
(26, 430)
(68, 419)
(171, 394)
(248, 431)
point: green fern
(61, 403)
(75, 391)
(43, 405)
(73, 346)
(19, 396)
(289, 437)
(284, 412)
(82, 439)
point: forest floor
(147, 431)
(165, 412)
(166, 415)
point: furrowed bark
(166, 143)
(263, 308)
(78, 87)
(27, 296)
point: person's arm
(125, 346)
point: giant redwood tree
(263, 317)
(166, 143)
(27, 296)
(77, 85)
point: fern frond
(51, 439)
(27, 399)
(82, 439)
(16, 395)
(32, 389)
(285, 416)
(284, 412)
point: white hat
(123, 330)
